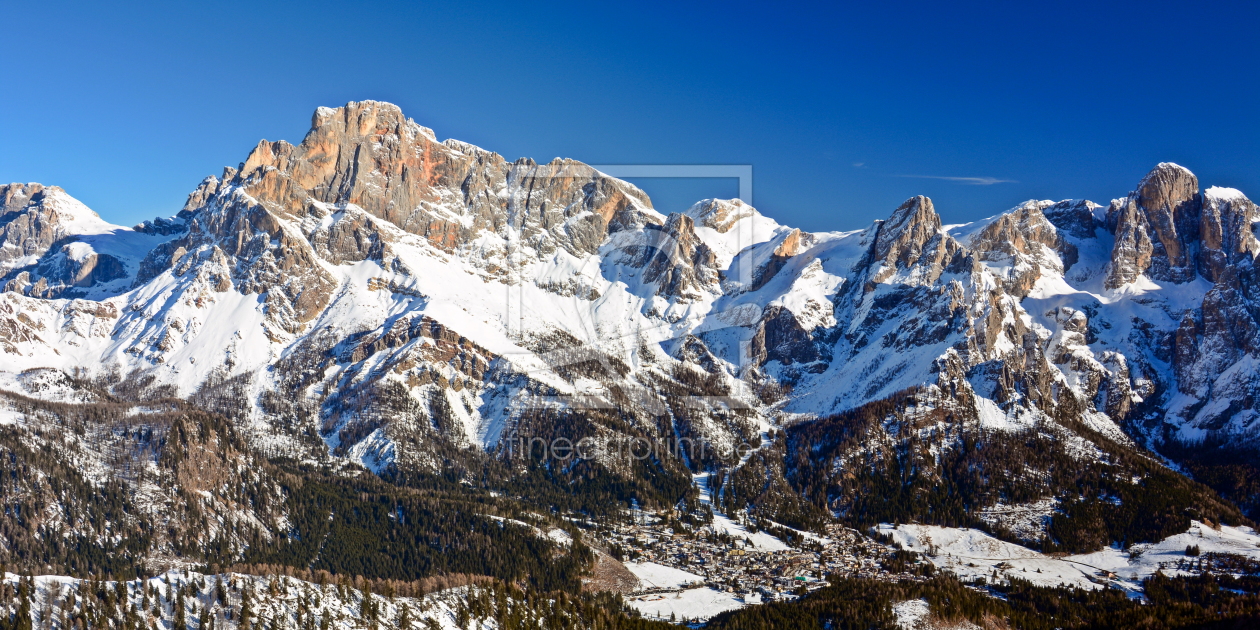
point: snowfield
(910, 613)
(972, 554)
(654, 575)
(693, 604)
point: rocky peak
(677, 260)
(1074, 216)
(1156, 228)
(1225, 231)
(1169, 195)
(42, 253)
(288, 206)
(1025, 239)
(913, 241)
(34, 216)
(14, 197)
(720, 214)
(902, 237)
(206, 189)
(369, 155)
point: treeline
(1233, 470)
(198, 603)
(600, 488)
(365, 526)
(59, 520)
(761, 486)
(515, 609)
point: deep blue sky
(128, 108)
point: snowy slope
(972, 554)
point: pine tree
(23, 619)
(181, 622)
(246, 608)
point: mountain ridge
(373, 297)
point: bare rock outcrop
(721, 214)
(369, 155)
(1074, 216)
(675, 259)
(1022, 241)
(1156, 228)
(31, 220)
(1225, 230)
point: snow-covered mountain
(373, 257)
(375, 295)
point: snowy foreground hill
(231, 600)
(373, 351)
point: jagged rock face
(366, 162)
(916, 293)
(1169, 195)
(241, 243)
(41, 248)
(1131, 255)
(351, 236)
(1156, 228)
(1170, 232)
(1023, 241)
(369, 155)
(394, 293)
(902, 238)
(780, 337)
(30, 221)
(1074, 216)
(680, 264)
(74, 266)
(1227, 238)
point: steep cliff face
(1156, 228)
(369, 155)
(30, 225)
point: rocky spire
(1156, 228)
(1225, 230)
(902, 237)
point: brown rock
(1164, 213)
(1225, 232)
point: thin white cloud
(975, 181)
